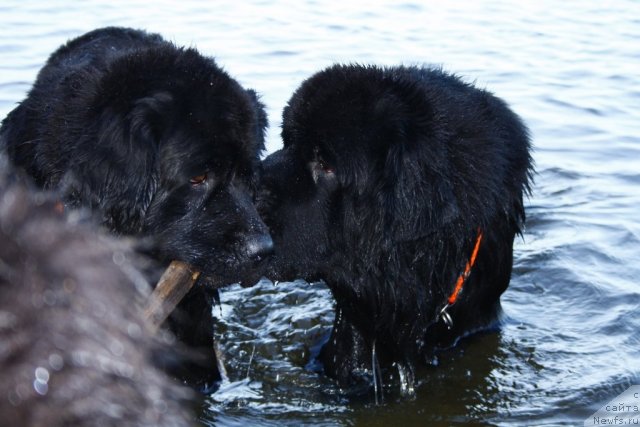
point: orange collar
(444, 315)
(467, 270)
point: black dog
(74, 348)
(160, 143)
(391, 181)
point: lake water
(571, 69)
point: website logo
(623, 410)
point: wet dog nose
(259, 246)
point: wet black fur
(385, 178)
(119, 121)
(74, 350)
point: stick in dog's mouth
(174, 284)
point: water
(571, 341)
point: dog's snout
(258, 246)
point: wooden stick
(172, 287)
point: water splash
(253, 352)
(407, 380)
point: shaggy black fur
(158, 142)
(385, 178)
(74, 350)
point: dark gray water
(571, 338)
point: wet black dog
(389, 180)
(159, 143)
(74, 349)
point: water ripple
(569, 341)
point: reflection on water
(570, 339)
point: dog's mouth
(215, 281)
(211, 281)
(245, 274)
(245, 263)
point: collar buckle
(445, 316)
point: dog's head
(354, 175)
(377, 157)
(176, 159)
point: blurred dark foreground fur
(73, 345)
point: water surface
(571, 338)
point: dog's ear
(419, 197)
(103, 175)
(148, 118)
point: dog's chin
(245, 276)
(280, 270)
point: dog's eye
(325, 167)
(197, 180)
(321, 169)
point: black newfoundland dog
(402, 188)
(74, 348)
(159, 143)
